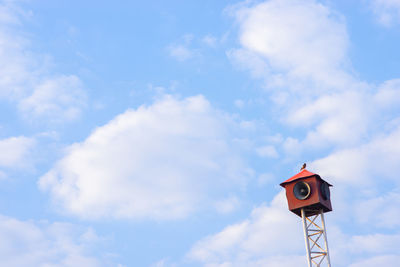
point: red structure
(307, 190)
(308, 196)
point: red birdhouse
(309, 191)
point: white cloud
(374, 244)
(292, 146)
(357, 250)
(161, 161)
(61, 95)
(180, 52)
(164, 263)
(388, 95)
(265, 178)
(364, 165)
(382, 211)
(384, 260)
(343, 119)
(298, 40)
(25, 77)
(267, 151)
(245, 59)
(300, 48)
(209, 40)
(227, 205)
(15, 150)
(365, 181)
(28, 243)
(336, 119)
(386, 11)
(303, 45)
(239, 103)
(261, 239)
(272, 236)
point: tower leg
(314, 229)
(303, 218)
(326, 239)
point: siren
(302, 190)
(325, 191)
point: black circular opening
(301, 190)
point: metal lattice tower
(316, 239)
(308, 197)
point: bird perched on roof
(304, 167)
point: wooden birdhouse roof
(302, 174)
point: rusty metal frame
(314, 229)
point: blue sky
(156, 133)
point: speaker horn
(325, 191)
(301, 190)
